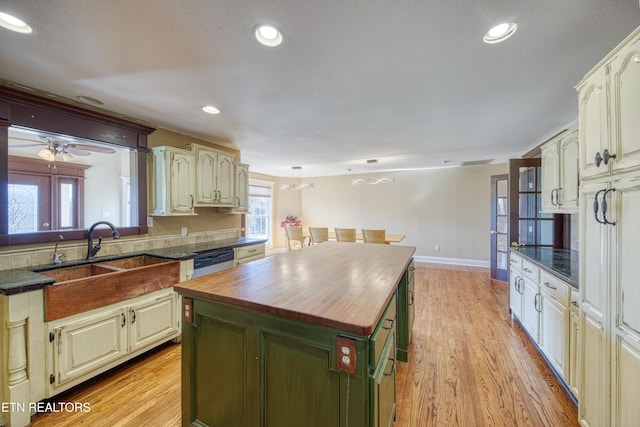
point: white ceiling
(407, 82)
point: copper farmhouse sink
(81, 288)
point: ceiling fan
(54, 146)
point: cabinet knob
(598, 159)
(606, 156)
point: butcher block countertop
(345, 286)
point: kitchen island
(302, 338)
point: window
(260, 216)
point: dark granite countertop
(563, 263)
(18, 280)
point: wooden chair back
(319, 234)
(374, 236)
(294, 234)
(346, 234)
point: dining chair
(319, 235)
(346, 234)
(374, 236)
(294, 234)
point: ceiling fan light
(47, 154)
(210, 109)
(66, 156)
(12, 23)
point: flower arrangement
(291, 221)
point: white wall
(445, 207)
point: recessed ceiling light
(500, 32)
(210, 109)
(89, 100)
(12, 23)
(268, 35)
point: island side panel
(242, 367)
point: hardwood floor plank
(469, 365)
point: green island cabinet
(306, 338)
(406, 312)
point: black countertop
(560, 262)
(18, 280)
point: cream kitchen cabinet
(559, 177)
(86, 344)
(609, 238)
(575, 357)
(241, 187)
(245, 254)
(554, 322)
(516, 282)
(214, 177)
(609, 106)
(173, 181)
(530, 310)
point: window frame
(248, 216)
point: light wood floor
(470, 365)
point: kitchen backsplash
(77, 250)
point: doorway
(500, 227)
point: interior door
(500, 227)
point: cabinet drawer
(530, 270)
(380, 334)
(555, 287)
(248, 259)
(515, 261)
(249, 251)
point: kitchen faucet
(57, 257)
(93, 250)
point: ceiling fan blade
(76, 151)
(94, 148)
(27, 145)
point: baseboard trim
(453, 261)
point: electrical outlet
(149, 221)
(436, 248)
(183, 231)
(346, 355)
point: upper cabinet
(608, 112)
(214, 177)
(198, 176)
(242, 187)
(560, 174)
(173, 179)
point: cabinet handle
(598, 159)
(520, 286)
(527, 270)
(133, 314)
(604, 207)
(516, 283)
(124, 320)
(548, 285)
(535, 302)
(575, 303)
(393, 321)
(393, 368)
(191, 195)
(252, 250)
(558, 190)
(552, 193)
(411, 295)
(606, 156)
(596, 207)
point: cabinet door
(574, 353)
(242, 187)
(554, 327)
(515, 293)
(530, 308)
(152, 321)
(89, 344)
(568, 183)
(549, 177)
(225, 181)
(384, 387)
(593, 122)
(206, 178)
(625, 106)
(181, 183)
(626, 291)
(593, 408)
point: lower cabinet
(83, 345)
(245, 254)
(554, 328)
(530, 310)
(406, 312)
(251, 368)
(574, 345)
